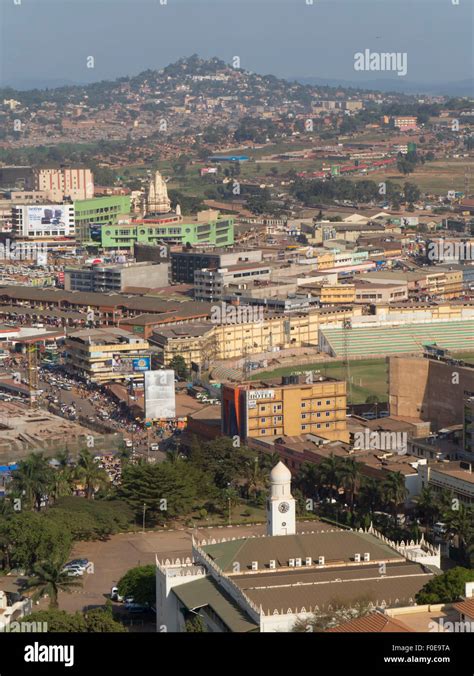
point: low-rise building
(103, 278)
(107, 355)
(456, 477)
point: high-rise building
(64, 183)
(287, 407)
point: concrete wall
(429, 389)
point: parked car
(440, 528)
(74, 571)
(154, 447)
(115, 596)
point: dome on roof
(280, 473)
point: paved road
(114, 557)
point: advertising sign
(160, 397)
(47, 217)
(141, 364)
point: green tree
(96, 620)
(48, 580)
(307, 480)
(461, 524)
(330, 474)
(33, 480)
(195, 624)
(394, 492)
(58, 621)
(426, 507)
(256, 478)
(167, 489)
(100, 621)
(445, 588)
(350, 476)
(178, 364)
(27, 538)
(370, 496)
(90, 474)
(140, 584)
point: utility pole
(33, 379)
(346, 327)
(144, 512)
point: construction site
(24, 430)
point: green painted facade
(218, 232)
(99, 211)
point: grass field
(368, 376)
(433, 177)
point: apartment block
(107, 355)
(287, 407)
(116, 278)
(184, 263)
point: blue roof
(8, 468)
(229, 158)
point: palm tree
(329, 472)
(307, 480)
(33, 479)
(256, 477)
(461, 524)
(49, 579)
(90, 474)
(63, 476)
(370, 495)
(229, 499)
(350, 474)
(269, 460)
(427, 507)
(444, 501)
(394, 491)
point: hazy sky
(49, 40)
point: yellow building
(332, 294)
(206, 342)
(287, 407)
(106, 355)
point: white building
(43, 220)
(267, 583)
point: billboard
(141, 364)
(48, 217)
(160, 396)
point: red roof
(375, 622)
(466, 607)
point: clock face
(283, 507)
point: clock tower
(281, 506)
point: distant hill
(395, 84)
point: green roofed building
(207, 228)
(99, 211)
(266, 583)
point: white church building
(265, 583)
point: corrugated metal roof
(205, 592)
